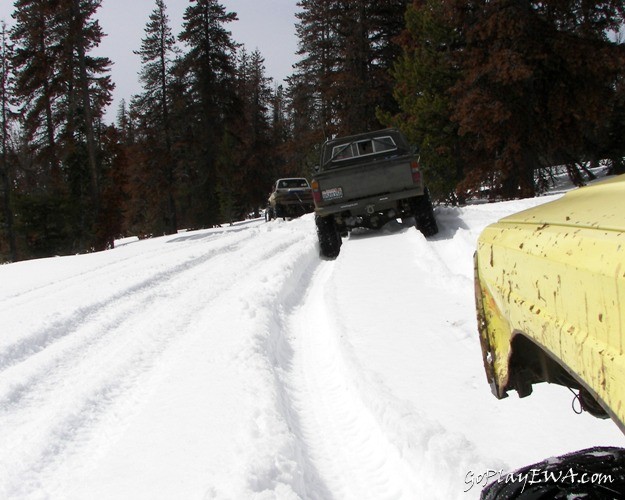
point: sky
(266, 25)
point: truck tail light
(316, 193)
(416, 174)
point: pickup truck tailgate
(360, 181)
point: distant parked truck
(290, 197)
(366, 180)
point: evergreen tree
(229, 178)
(38, 82)
(208, 71)
(537, 84)
(113, 186)
(256, 165)
(280, 128)
(347, 49)
(279, 118)
(124, 123)
(366, 30)
(302, 150)
(6, 119)
(313, 88)
(86, 91)
(84, 35)
(514, 87)
(157, 52)
(63, 90)
(424, 73)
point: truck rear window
(363, 148)
(292, 183)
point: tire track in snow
(63, 294)
(278, 345)
(119, 266)
(86, 330)
(104, 368)
(364, 441)
(341, 435)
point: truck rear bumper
(367, 206)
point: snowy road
(235, 363)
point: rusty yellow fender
(550, 297)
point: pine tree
(505, 88)
(38, 82)
(538, 81)
(366, 30)
(124, 124)
(254, 131)
(279, 118)
(280, 127)
(208, 71)
(63, 90)
(313, 89)
(78, 23)
(6, 119)
(423, 75)
(86, 91)
(157, 53)
(347, 49)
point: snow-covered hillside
(234, 363)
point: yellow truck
(550, 298)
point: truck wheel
(329, 237)
(280, 212)
(424, 215)
(556, 477)
(268, 214)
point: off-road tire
(329, 237)
(279, 212)
(566, 476)
(424, 215)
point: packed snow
(235, 363)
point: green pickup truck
(366, 180)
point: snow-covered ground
(234, 363)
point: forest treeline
(493, 92)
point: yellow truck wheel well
(530, 363)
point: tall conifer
(6, 120)
(63, 90)
(424, 73)
(157, 52)
(208, 68)
(532, 84)
(347, 49)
